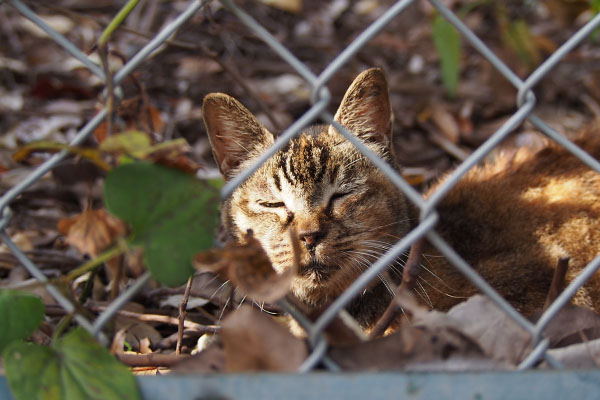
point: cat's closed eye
(268, 204)
(337, 196)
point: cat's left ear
(366, 109)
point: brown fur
(511, 219)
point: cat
(511, 219)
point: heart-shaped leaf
(21, 314)
(74, 367)
(173, 215)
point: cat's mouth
(317, 270)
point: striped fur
(345, 211)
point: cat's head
(345, 211)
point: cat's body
(511, 220)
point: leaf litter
(48, 96)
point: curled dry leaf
(445, 122)
(248, 267)
(254, 341)
(573, 324)
(580, 355)
(210, 359)
(432, 337)
(499, 336)
(91, 231)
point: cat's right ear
(234, 133)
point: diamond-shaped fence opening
(525, 102)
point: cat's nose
(310, 238)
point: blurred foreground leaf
(172, 215)
(21, 314)
(74, 367)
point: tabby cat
(511, 219)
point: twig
(90, 265)
(163, 319)
(150, 359)
(558, 281)
(171, 340)
(183, 313)
(412, 269)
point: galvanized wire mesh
(524, 106)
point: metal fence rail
(525, 102)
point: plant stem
(116, 21)
(90, 265)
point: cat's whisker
(241, 302)
(427, 298)
(441, 291)
(223, 285)
(223, 311)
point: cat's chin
(317, 271)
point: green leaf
(74, 367)
(447, 44)
(21, 314)
(173, 215)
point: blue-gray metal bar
(54, 292)
(554, 59)
(58, 38)
(371, 273)
(270, 40)
(513, 122)
(118, 303)
(16, 190)
(159, 39)
(359, 42)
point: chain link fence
(525, 103)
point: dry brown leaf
(500, 337)
(445, 122)
(410, 345)
(211, 359)
(573, 324)
(248, 267)
(118, 341)
(580, 355)
(91, 231)
(432, 337)
(293, 6)
(135, 113)
(254, 341)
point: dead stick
(558, 281)
(412, 269)
(164, 319)
(183, 313)
(150, 359)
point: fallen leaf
(580, 355)
(573, 324)
(135, 114)
(249, 269)
(210, 359)
(293, 6)
(410, 345)
(445, 122)
(497, 333)
(254, 341)
(91, 231)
